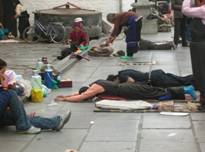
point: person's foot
(173, 45)
(31, 130)
(185, 45)
(190, 90)
(60, 57)
(63, 119)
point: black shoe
(60, 57)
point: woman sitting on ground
(12, 111)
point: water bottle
(48, 77)
(39, 65)
(36, 83)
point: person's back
(136, 75)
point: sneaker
(190, 90)
(64, 119)
(31, 130)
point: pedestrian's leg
(18, 112)
(183, 31)
(45, 123)
(176, 31)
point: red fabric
(111, 97)
(79, 38)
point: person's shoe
(190, 90)
(31, 130)
(173, 45)
(64, 119)
(121, 53)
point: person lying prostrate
(137, 91)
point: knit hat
(78, 19)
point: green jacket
(177, 6)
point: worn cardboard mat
(157, 106)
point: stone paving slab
(169, 135)
(199, 129)
(202, 147)
(108, 147)
(160, 121)
(198, 116)
(10, 146)
(109, 130)
(164, 145)
(57, 141)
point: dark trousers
(149, 45)
(180, 30)
(161, 79)
(198, 65)
(23, 22)
(17, 115)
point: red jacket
(79, 38)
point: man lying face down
(137, 91)
(157, 78)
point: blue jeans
(17, 115)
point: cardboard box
(65, 83)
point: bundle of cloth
(102, 50)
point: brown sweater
(119, 21)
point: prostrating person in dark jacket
(137, 91)
(157, 78)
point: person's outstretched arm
(91, 92)
(189, 10)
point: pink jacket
(189, 10)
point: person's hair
(110, 17)
(2, 64)
(112, 77)
(83, 89)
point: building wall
(104, 6)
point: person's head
(77, 27)
(112, 77)
(83, 89)
(111, 17)
(3, 66)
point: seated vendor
(136, 91)
(12, 111)
(78, 39)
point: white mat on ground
(123, 104)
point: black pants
(180, 30)
(198, 65)
(23, 22)
(161, 79)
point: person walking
(179, 23)
(197, 45)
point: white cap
(78, 19)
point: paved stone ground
(111, 132)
